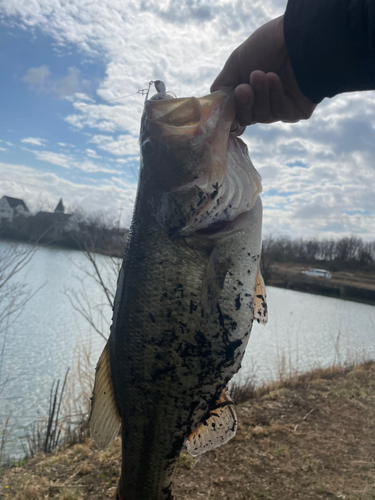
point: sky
(66, 129)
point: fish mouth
(185, 140)
(199, 165)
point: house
(11, 208)
(56, 224)
(60, 207)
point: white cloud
(58, 159)
(181, 42)
(35, 141)
(72, 161)
(315, 174)
(314, 198)
(109, 118)
(92, 153)
(123, 145)
(41, 82)
(89, 167)
(36, 77)
(124, 161)
(81, 97)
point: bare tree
(267, 258)
(100, 272)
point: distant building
(11, 208)
(60, 207)
(55, 224)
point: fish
(188, 292)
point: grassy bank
(310, 437)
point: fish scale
(186, 296)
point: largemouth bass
(188, 292)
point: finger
(276, 96)
(244, 94)
(261, 109)
(244, 98)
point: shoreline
(332, 293)
(68, 245)
(356, 286)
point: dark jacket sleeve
(331, 45)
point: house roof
(60, 206)
(14, 202)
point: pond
(304, 331)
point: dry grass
(289, 376)
(77, 405)
(308, 438)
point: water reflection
(305, 331)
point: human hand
(266, 89)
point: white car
(318, 273)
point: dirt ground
(313, 439)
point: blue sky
(55, 57)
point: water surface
(303, 331)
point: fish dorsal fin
(105, 421)
(213, 281)
(260, 300)
(216, 430)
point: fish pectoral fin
(216, 430)
(260, 300)
(105, 421)
(213, 281)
